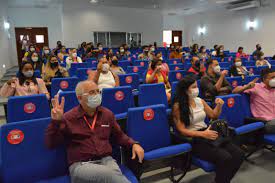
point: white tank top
(197, 116)
(106, 80)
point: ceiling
(170, 7)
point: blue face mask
(28, 74)
(94, 101)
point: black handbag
(221, 127)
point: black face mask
(197, 64)
(259, 48)
(178, 50)
(115, 62)
(54, 64)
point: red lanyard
(94, 121)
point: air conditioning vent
(242, 5)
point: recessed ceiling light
(94, 1)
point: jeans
(104, 170)
(227, 159)
(270, 127)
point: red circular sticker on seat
(177, 68)
(64, 84)
(119, 95)
(135, 69)
(178, 76)
(231, 102)
(148, 114)
(15, 137)
(235, 84)
(134, 56)
(251, 70)
(142, 64)
(29, 108)
(129, 79)
(175, 62)
(129, 59)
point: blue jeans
(105, 170)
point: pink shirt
(262, 101)
(15, 89)
(241, 55)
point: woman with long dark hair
(25, 83)
(189, 113)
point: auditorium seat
(124, 64)
(176, 75)
(82, 73)
(142, 63)
(175, 67)
(151, 94)
(146, 125)
(63, 84)
(71, 100)
(235, 81)
(21, 108)
(75, 66)
(25, 158)
(129, 80)
(118, 100)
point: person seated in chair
(72, 58)
(262, 99)
(86, 131)
(215, 84)
(155, 74)
(262, 61)
(189, 113)
(238, 69)
(25, 84)
(104, 77)
(52, 69)
(114, 66)
(197, 68)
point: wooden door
(177, 38)
(34, 35)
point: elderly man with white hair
(86, 132)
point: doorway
(172, 37)
(32, 35)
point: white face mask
(32, 49)
(272, 83)
(24, 41)
(28, 74)
(262, 57)
(194, 93)
(161, 58)
(35, 59)
(122, 50)
(74, 55)
(221, 51)
(105, 67)
(203, 50)
(94, 101)
(217, 69)
(46, 51)
(100, 48)
(238, 64)
(152, 49)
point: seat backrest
(75, 66)
(136, 69)
(63, 84)
(117, 99)
(231, 110)
(175, 67)
(174, 61)
(259, 69)
(71, 100)
(149, 126)
(252, 69)
(24, 155)
(151, 94)
(82, 73)
(124, 64)
(176, 75)
(235, 81)
(174, 89)
(129, 80)
(246, 105)
(142, 63)
(22, 108)
(224, 64)
(248, 79)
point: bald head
(85, 87)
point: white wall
(229, 28)
(36, 17)
(4, 39)
(79, 21)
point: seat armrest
(250, 120)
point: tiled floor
(262, 171)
